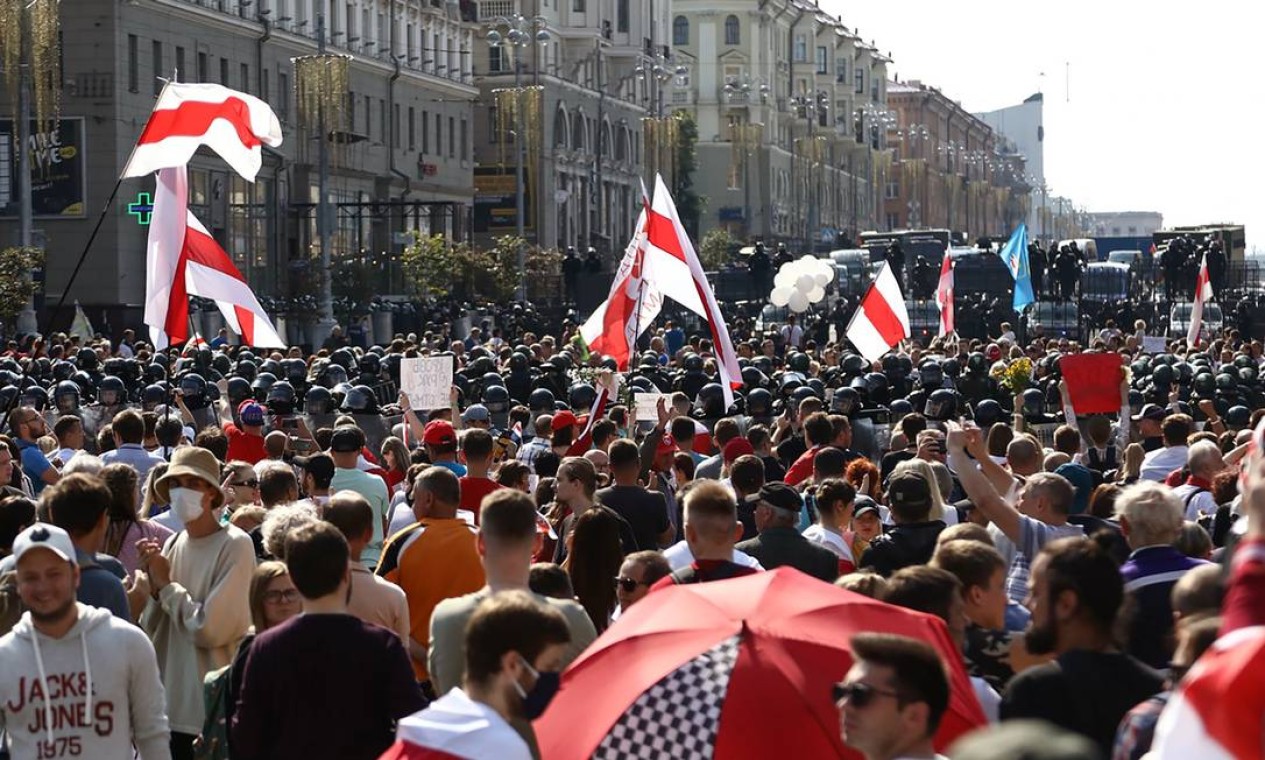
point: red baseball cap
(439, 433)
(736, 448)
(564, 419)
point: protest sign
(646, 406)
(1093, 382)
(427, 381)
(1153, 344)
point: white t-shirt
(792, 335)
(679, 556)
(818, 534)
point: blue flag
(1015, 256)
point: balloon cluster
(801, 282)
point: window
(204, 67)
(680, 31)
(841, 69)
(439, 134)
(893, 221)
(577, 6)
(465, 140)
(733, 32)
(368, 117)
(180, 70)
(382, 120)
(822, 63)
(133, 66)
(892, 191)
(496, 60)
(452, 137)
(425, 133)
(859, 75)
(412, 128)
(800, 54)
(395, 127)
(621, 16)
(266, 91)
(283, 95)
(224, 71)
(158, 66)
(246, 77)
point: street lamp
(520, 33)
(812, 107)
(741, 90)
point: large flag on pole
(1015, 256)
(881, 321)
(944, 295)
(188, 116)
(673, 268)
(1203, 294)
(80, 325)
(632, 305)
(185, 260)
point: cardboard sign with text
(1152, 344)
(427, 381)
(646, 406)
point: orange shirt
(432, 561)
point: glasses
(859, 694)
(628, 585)
(252, 483)
(281, 596)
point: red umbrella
(735, 668)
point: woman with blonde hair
(1131, 466)
(939, 511)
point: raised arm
(981, 493)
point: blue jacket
(1149, 575)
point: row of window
(681, 31)
(360, 111)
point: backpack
(212, 742)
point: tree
(716, 249)
(16, 284)
(688, 203)
(443, 269)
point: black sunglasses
(252, 483)
(859, 694)
(628, 585)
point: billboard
(58, 170)
(496, 199)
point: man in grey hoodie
(75, 680)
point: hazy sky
(1167, 100)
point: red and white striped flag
(632, 305)
(196, 341)
(673, 268)
(1203, 294)
(185, 260)
(188, 116)
(944, 295)
(881, 321)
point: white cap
(44, 536)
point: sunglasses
(628, 585)
(252, 483)
(859, 694)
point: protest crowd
(1037, 549)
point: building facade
(791, 112)
(952, 170)
(1124, 223)
(401, 161)
(601, 67)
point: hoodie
(456, 727)
(91, 693)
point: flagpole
(52, 318)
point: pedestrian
(892, 698)
(299, 675)
(199, 607)
(75, 681)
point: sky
(1154, 106)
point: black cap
(319, 466)
(863, 506)
(909, 491)
(347, 439)
(1151, 412)
(781, 496)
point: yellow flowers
(1014, 377)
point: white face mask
(186, 504)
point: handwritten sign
(647, 404)
(427, 381)
(1152, 344)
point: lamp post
(744, 91)
(656, 71)
(520, 32)
(812, 107)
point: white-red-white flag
(944, 295)
(1203, 294)
(632, 305)
(184, 260)
(188, 116)
(881, 321)
(195, 342)
(673, 268)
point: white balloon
(807, 258)
(798, 301)
(784, 278)
(805, 283)
(780, 296)
(816, 294)
(823, 275)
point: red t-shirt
(802, 469)
(244, 446)
(472, 492)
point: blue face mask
(537, 698)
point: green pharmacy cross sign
(142, 208)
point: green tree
(716, 250)
(688, 203)
(16, 285)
